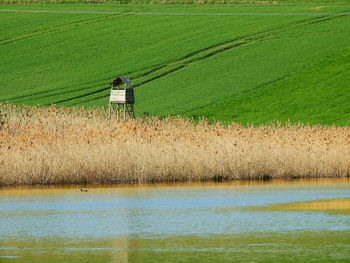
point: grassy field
(72, 146)
(243, 63)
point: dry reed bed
(60, 146)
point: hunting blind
(121, 99)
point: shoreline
(228, 183)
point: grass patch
(201, 61)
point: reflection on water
(236, 222)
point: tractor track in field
(160, 71)
(163, 70)
(62, 91)
(62, 27)
(82, 95)
(53, 29)
(58, 91)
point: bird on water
(83, 190)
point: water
(232, 222)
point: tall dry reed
(70, 145)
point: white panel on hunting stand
(117, 96)
(122, 96)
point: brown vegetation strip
(63, 146)
(318, 205)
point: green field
(245, 63)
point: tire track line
(160, 71)
(171, 67)
(62, 27)
(164, 70)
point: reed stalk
(73, 146)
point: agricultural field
(244, 63)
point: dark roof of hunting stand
(120, 80)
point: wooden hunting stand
(121, 99)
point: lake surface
(278, 221)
